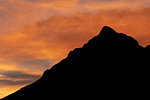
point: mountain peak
(106, 31)
(110, 61)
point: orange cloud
(29, 11)
(50, 40)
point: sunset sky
(36, 34)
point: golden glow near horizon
(35, 34)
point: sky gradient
(36, 34)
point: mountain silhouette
(110, 65)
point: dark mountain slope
(109, 65)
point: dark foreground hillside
(110, 65)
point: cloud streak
(11, 82)
(19, 75)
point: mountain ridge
(108, 60)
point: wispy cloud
(19, 75)
(8, 78)
(11, 82)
